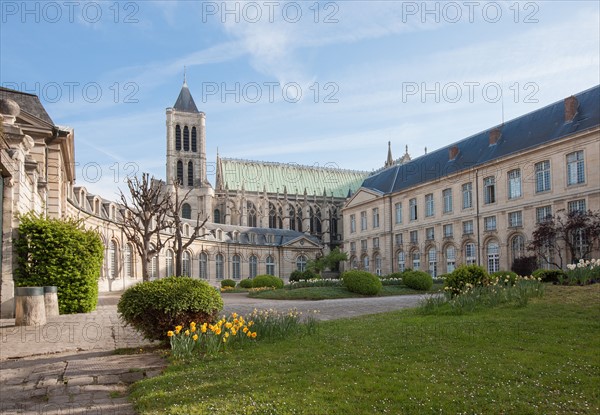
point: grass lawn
(324, 293)
(540, 359)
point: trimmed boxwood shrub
(417, 280)
(466, 274)
(267, 280)
(361, 282)
(228, 283)
(303, 275)
(247, 283)
(60, 252)
(550, 275)
(155, 307)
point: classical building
(477, 201)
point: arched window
(292, 217)
(301, 263)
(112, 259)
(416, 260)
(235, 267)
(217, 216)
(517, 247)
(365, 263)
(333, 224)
(202, 268)
(154, 267)
(272, 216)
(194, 141)
(401, 261)
(219, 266)
(185, 264)
(169, 259)
(190, 180)
(450, 259)
(270, 261)
(299, 219)
(177, 137)
(180, 172)
(186, 138)
(377, 261)
(470, 254)
(315, 220)
(251, 215)
(493, 257)
(252, 266)
(353, 263)
(432, 257)
(186, 211)
(128, 260)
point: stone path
(68, 366)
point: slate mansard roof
(27, 102)
(528, 131)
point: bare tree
(145, 218)
(576, 231)
(175, 217)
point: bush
(228, 283)
(155, 307)
(463, 275)
(550, 275)
(361, 282)
(417, 280)
(303, 275)
(247, 283)
(60, 252)
(267, 281)
(525, 265)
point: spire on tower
(184, 76)
(390, 161)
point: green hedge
(417, 280)
(361, 282)
(267, 281)
(550, 275)
(247, 283)
(155, 307)
(466, 274)
(228, 283)
(60, 252)
(303, 275)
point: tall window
(154, 267)
(217, 216)
(429, 208)
(578, 237)
(252, 266)
(112, 260)
(575, 168)
(576, 206)
(430, 234)
(194, 140)
(398, 213)
(363, 221)
(447, 195)
(375, 243)
(251, 214)
(352, 223)
(448, 231)
(489, 190)
(514, 184)
(202, 266)
(432, 256)
(542, 176)
(352, 247)
(363, 245)
(414, 237)
(185, 264)
(375, 217)
(186, 138)
(401, 261)
(177, 137)
(270, 261)
(365, 263)
(468, 227)
(301, 263)
(470, 254)
(377, 261)
(412, 207)
(517, 247)
(353, 263)
(180, 172)
(543, 213)
(186, 211)
(416, 260)
(450, 259)
(515, 219)
(169, 259)
(399, 239)
(489, 223)
(128, 260)
(235, 267)
(219, 266)
(493, 257)
(190, 178)
(467, 195)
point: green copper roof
(257, 176)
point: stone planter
(51, 300)
(30, 308)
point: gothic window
(186, 138)
(275, 221)
(180, 172)
(299, 219)
(217, 216)
(251, 214)
(333, 224)
(177, 137)
(194, 140)
(190, 180)
(292, 216)
(186, 211)
(315, 221)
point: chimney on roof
(495, 136)
(571, 105)
(452, 152)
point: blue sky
(311, 82)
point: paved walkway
(68, 366)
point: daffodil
(170, 333)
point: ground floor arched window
(169, 260)
(301, 263)
(186, 264)
(270, 261)
(401, 261)
(203, 266)
(450, 259)
(493, 257)
(252, 266)
(219, 266)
